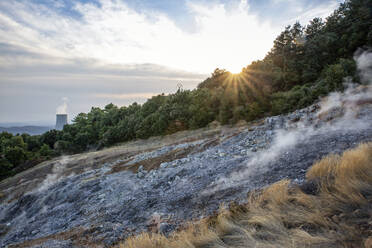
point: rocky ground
(96, 199)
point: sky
(76, 54)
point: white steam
(62, 109)
(353, 95)
(338, 111)
(56, 175)
(364, 64)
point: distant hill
(32, 130)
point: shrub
(45, 151)
(15, 155)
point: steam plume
(345, 102)
(364, 64)
(62, 109)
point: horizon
(91, 53)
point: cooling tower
(61, 121)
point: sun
(234, 69)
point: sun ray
(260, 89)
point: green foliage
(15, 155)
(18, 149)
(297, 97)
(45, 151)
(334, 76)
(49, 138)
(5, 167)
(202, 110)
(306, 62)
(33, 142)
(16, 141)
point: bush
(15, 155)
(5, 167)
(334, 75)
(297, 97)
(45, 151)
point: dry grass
(283, 215)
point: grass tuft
(283, 215)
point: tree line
(305, 62)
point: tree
(49, 137)
(314, 28)
(15, 155)
(17, 141)
(45, 150)
(5, 167)
(33, 143)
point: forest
(305, 63)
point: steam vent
(61, 121)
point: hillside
(100, 198)
(305, 63)
(31, 130)
(333, 209)
(278, 155)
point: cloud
(32, 90)
(126, 96)
(113, 33)
(321, 10)
(291, 11)
(106, 51)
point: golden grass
(282, 215)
